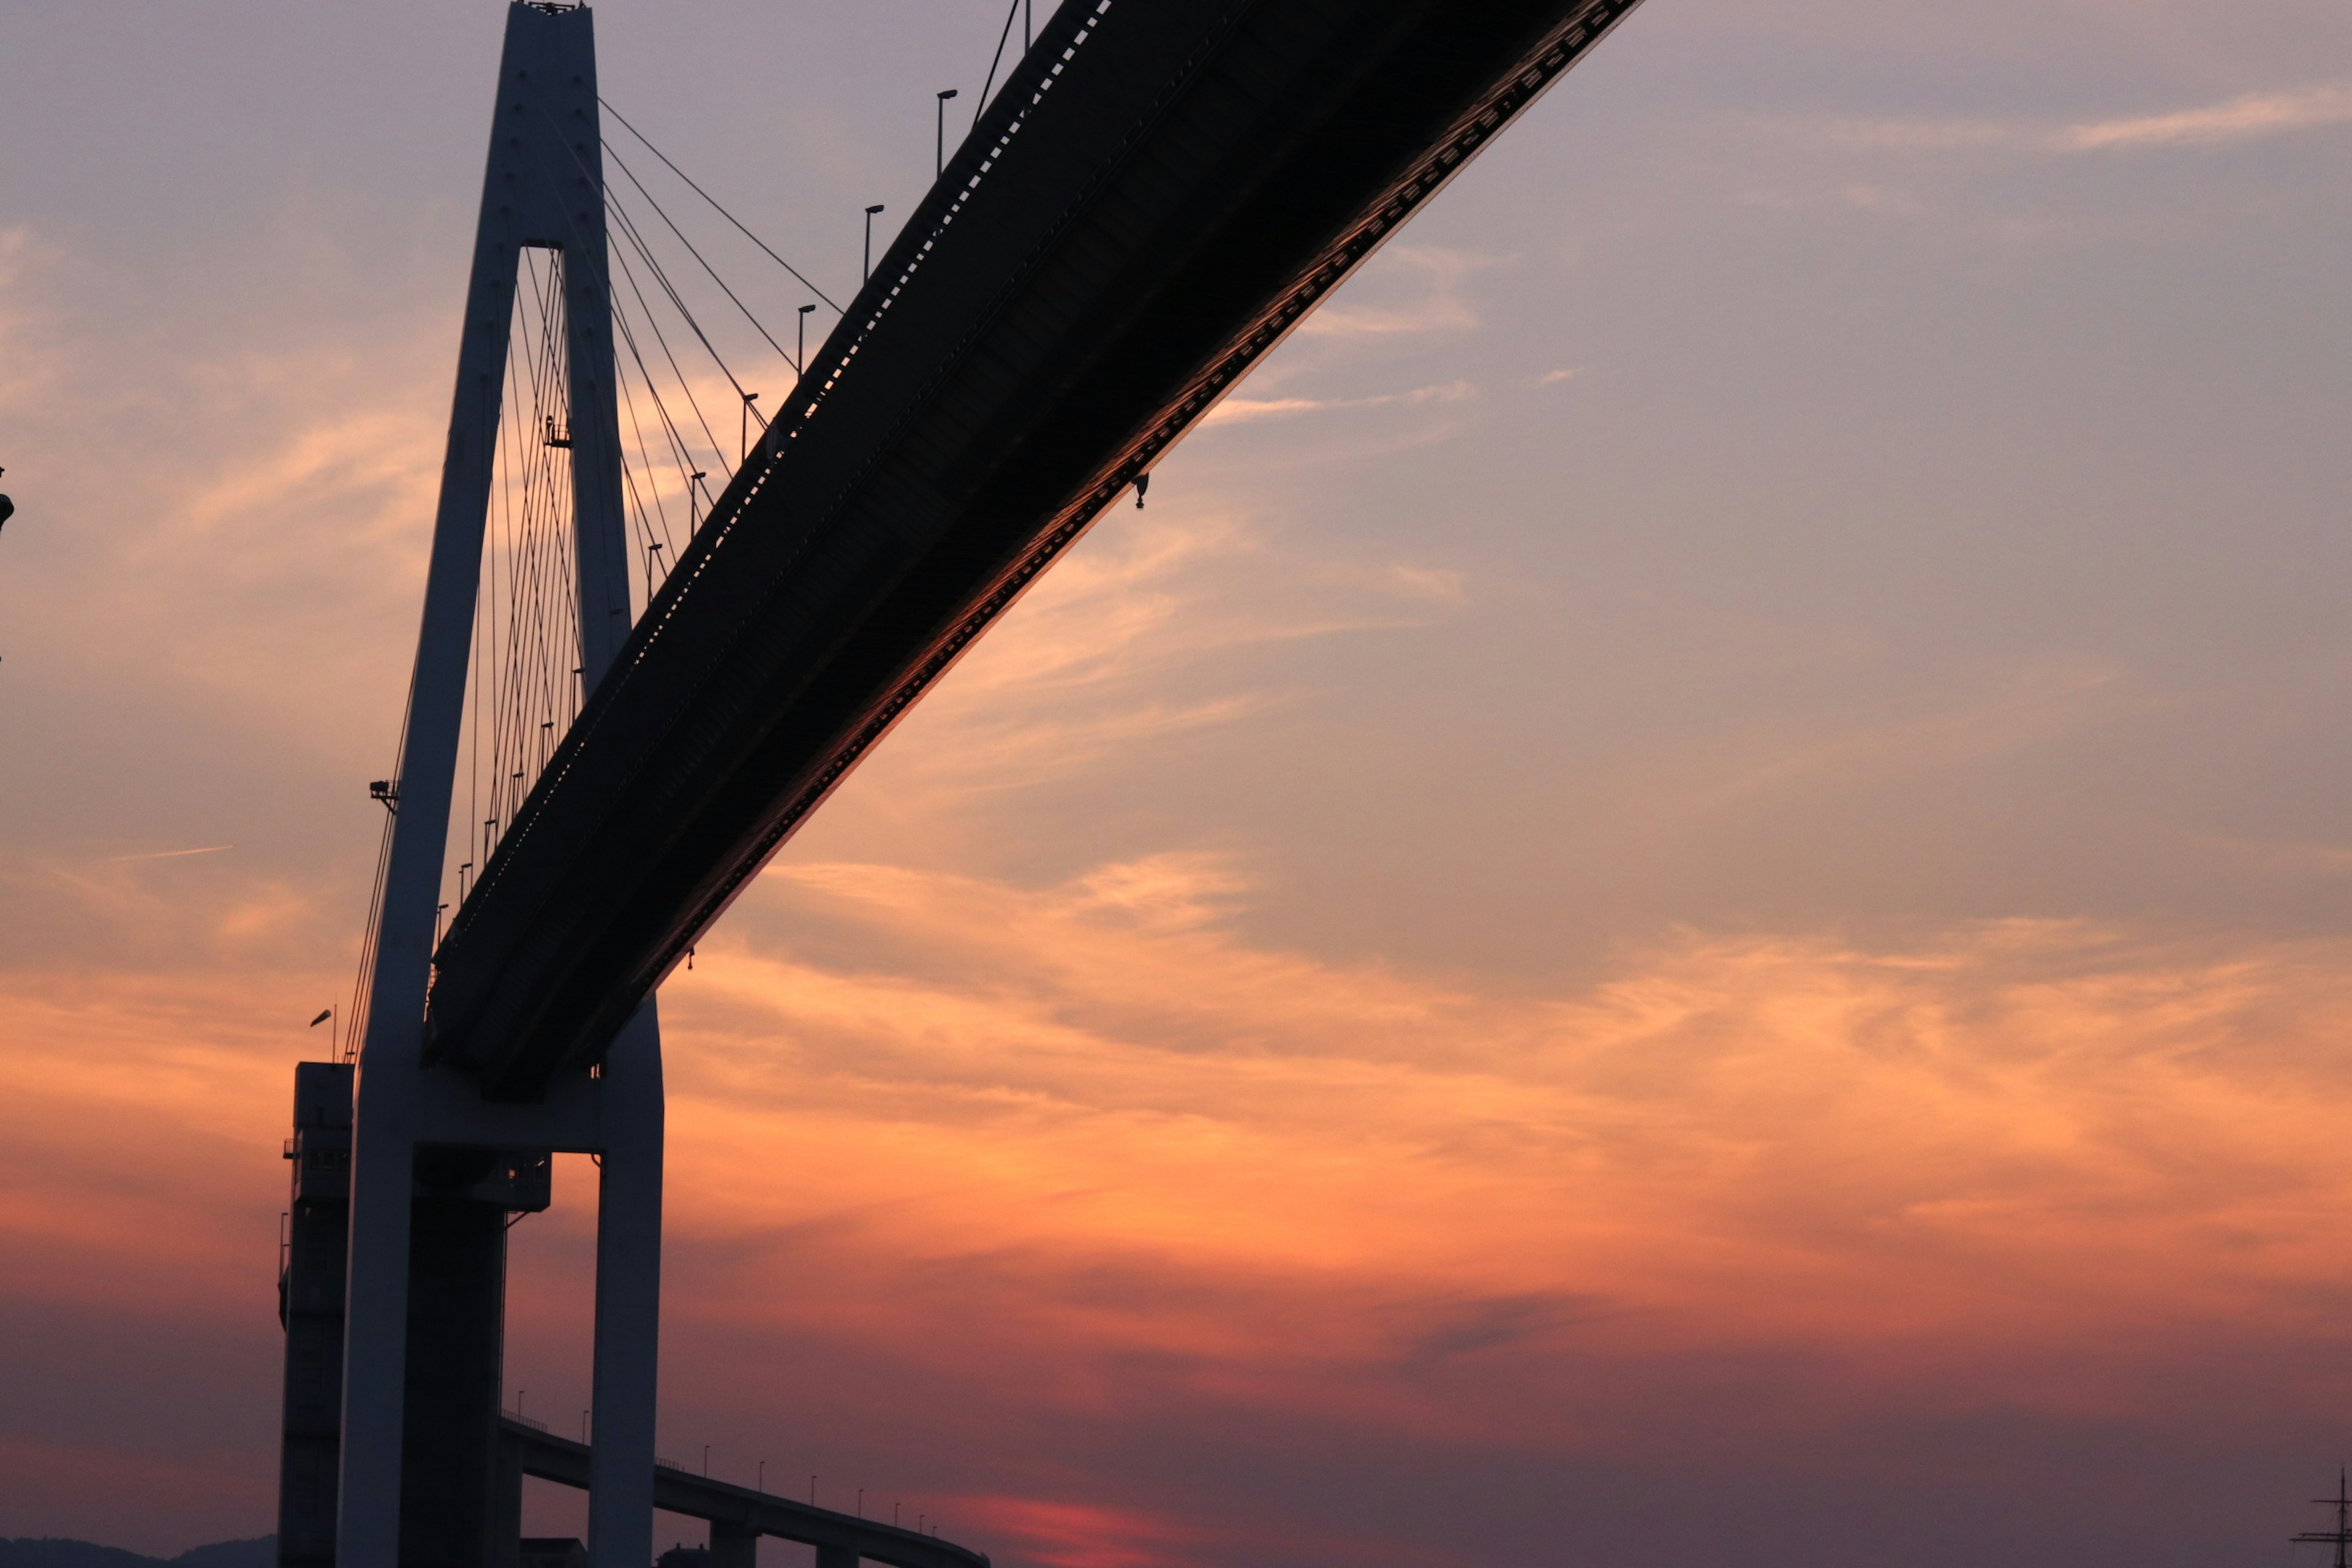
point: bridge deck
(1160, 195)
(566, 1462)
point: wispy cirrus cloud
(2244, 118)
(172, 854)
(2001, 711)
(1247, 410)
(157, 908)
(1110, 649)
(1429, 279)
(2247, 117)
(28, 353)
(247, 504)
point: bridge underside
(1160, 193)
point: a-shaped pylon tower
(394, 1379)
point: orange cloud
(1085, 1159)
(1120, 1126)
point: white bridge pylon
(543, 188)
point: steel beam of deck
(550, 1457)
(1162, 191)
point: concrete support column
(628, 1300)
(457, 1313)
(310, 1304)
(733, 1546)
(506, 1518)
(836, 1557)
(375, 1328)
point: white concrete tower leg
(628, 1300)
(628, 1216)
(599, 521)
(375, 1324)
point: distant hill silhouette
(261, 1552)
(50, 1553)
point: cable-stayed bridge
(1159, 192)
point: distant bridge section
(1163, 190)
(738, 1516)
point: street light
(869, 240)
(800, 347)
(939, 162)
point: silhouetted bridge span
(1160, 195)
(738, 1516)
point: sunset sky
(1682, 901)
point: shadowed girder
(1162, 190)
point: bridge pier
(506, 1511)
(311, 1309)
(449, 1449)
(628, 1299)
(458, 1497)
(375, 1329)
(733, 1546)
(460, 1488)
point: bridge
(738, 1516)
(1156, 196)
